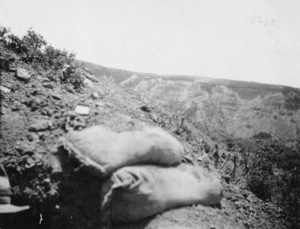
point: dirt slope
(37, 110)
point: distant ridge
(237, 108)
(120, 74)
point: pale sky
(249, 40)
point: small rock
(82, 110)
(44, 112)
(94, 95)
(145, 108)
(69, 88)
(33, 104)
(71, 114)
(49, 112)
(56, 96)
(25, 148)
(32, 137)
(100, 104)
(39, 125)
(10, 58)
(15, 107)
(22, 74)
(90, 77)
(226, 178)
(12, 67)
(88, 83)
(4, 89)
(223, 155)
(45, 80)
(6, 63)
(42, 136)
(77, 125)
(29, 163)
(48, 85)
(51, 125)
(245, 194)
(154, 118)
(110, 105)
(47, 180)
(187, 159)
(4, 110)
(34, 92)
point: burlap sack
(136, 192)
(103, 151)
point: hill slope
(42, 100)
(238, 109)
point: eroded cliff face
(239, 109)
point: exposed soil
(36, 112)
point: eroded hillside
(239, 109)
(42, 99)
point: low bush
(271, 171)
(274, 176)
(32, 48)
(71, 74)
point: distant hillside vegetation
(237, 108)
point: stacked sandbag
(136, 192)
(102, 151)
(141, 170)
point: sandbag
(102, 151)
(136, 192)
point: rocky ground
(36, 109)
